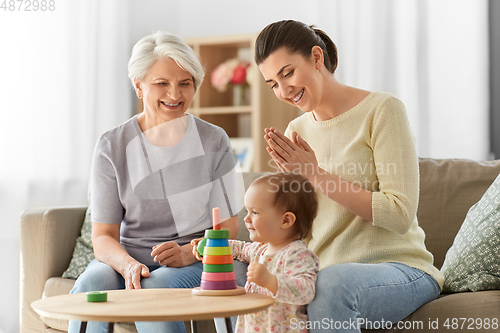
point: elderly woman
(154, 181)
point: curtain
(64, 82)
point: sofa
(448, 188)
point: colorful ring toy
(206, 276)
(217, 234)
(218, 268)
(217, 251)
(218, 285)
(217, 260)
(220, 242)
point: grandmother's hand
(173, 255)
(291, 155)
(133, 273)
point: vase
(240, 95)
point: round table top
(150, 305)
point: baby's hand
(258, 274)
(194, 243)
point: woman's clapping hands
(291, 155)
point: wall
(191, 18)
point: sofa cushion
(56, 287)
(473, 261)
(478, 312)
(83, 253)
(449, 183)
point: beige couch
(448, 189)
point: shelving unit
(264, 109)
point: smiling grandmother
(154, 181)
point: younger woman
(357, 149)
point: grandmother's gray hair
(162, 44)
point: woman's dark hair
(297, 37)
(293, 193)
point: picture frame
(243, 149)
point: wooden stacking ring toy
(97, 296)
(218, 268)
(217, 234)
(218, 260)
(218, 285)
(218, 277)
(217, 242)
(217, 251)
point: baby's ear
(288, 220)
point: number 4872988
(471, 323)
(28, 5)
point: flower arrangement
(233, 71)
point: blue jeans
(99, 276)
(353, 296)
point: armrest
(48, 237)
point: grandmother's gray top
(161, 194)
